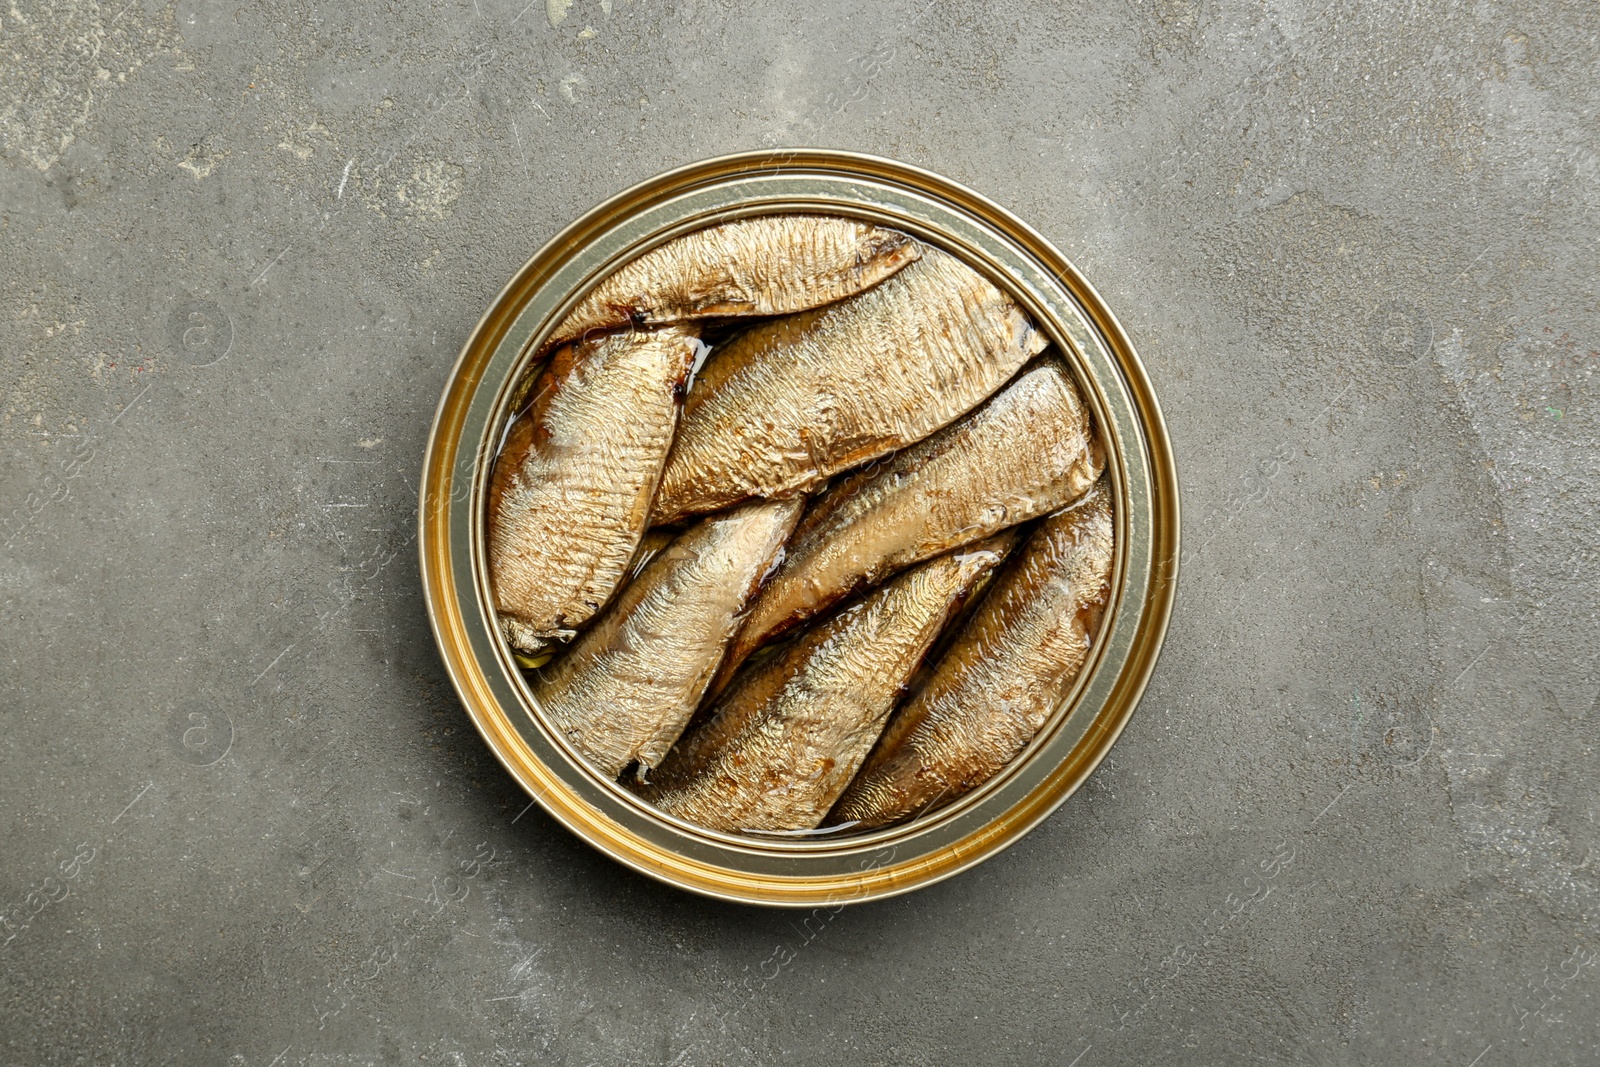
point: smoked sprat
(805, 525)
(1001, 677)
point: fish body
(650, 546)
(770, 265)
(628, 684)
(570, 493)
(1028, 451)
(1000, 678)
(788, 735)
(788, 404)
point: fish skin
(787, 737)
(787, 404)
(1001, 677)
(628, 684)
(768, 265)
(1029, 450)
(650, 546)
(570, 493)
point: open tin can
(479, 400)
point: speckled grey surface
(245, 819)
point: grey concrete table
(245, 820)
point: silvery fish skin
(1001, 677)
(786, 738)
(787, 404)
(628, 684)
(571, 490)
(770, 265)
(1028, 451)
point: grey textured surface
(245, 820)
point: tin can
(828, 872)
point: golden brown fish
(1029, 450)
(571, 490)
(769, 265)
(629, 683)
(653, 541)
(788, 735)
(1001, 677)
(650, 546)
(788, 404)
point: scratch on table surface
(273, 664)
(1331, 803)
(132, 802)
(129, 406)
(1473, 664)
(269, 266)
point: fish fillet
(629, 683)
(571, 490)
(769, 265)
(786, 738)
(1001, 677)
(1028, 451)
(787, 404)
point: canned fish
(799, 528)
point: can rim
(809, 872)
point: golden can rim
(800, 872)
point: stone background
(245, 819)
